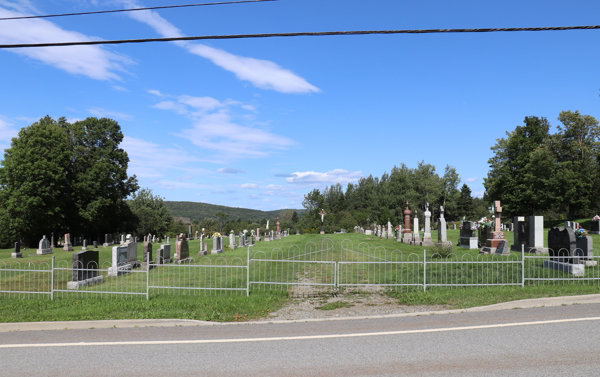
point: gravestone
(67, 246)
(466, 236)
(147, 264)
(536, 235)
(95, 244)
(132, 254)
(501, 248)
(441, 229)
(584, 249)
(427, 230)
(17, 253)
(407, 232)
(390, 235)
(85, 269)
(108, 240)
(120, 261)
(484, 232)
(52, 240)
(416, 236)
(122, 239)
(84, 247)
(164, 254)
(44, 247)
(562, 245)
(232, 240)
(520, 232)
(297, 232)
(497, 234)
(181, 249)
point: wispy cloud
(478, 194)
(230, 171)
(263, 74)
(284, 175)
(249, 186)
(471, 180)
(151, 160)
(222, 192)
(155, 93)
(103, 113)
(7, 131)
(92, 61)
(120, 88)
(331, 177)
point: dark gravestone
(147, 251)
(501, 248)
(562, 244)
(523, 229)
(595, 227)
(85, 265)
(466, 230)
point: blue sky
(259, 123)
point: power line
(301, 34)
(134, 9)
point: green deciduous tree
(60, 177)
(150, 211)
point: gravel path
(349, 304)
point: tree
(295, 217)
(512, 177)
(98, 179)
(60, 177)
(465, 202)
(450, 193)
(222, 217)
(34, 182)
(151, 213)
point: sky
(258, 123)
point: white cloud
(230, 171)
(103, 113)
(156, 93)
(275, 187)
(331, 177)
(470, 180)
(120, 88)
(150, 160)
(170, 105)
(92, 61)
(222, 192)
(217, 131)
(249, 107)
(7, 131)
(204, 103)
(249, 186)
(263, 74)
(74, 120)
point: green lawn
(100, 301)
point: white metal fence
(299, 271)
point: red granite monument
(497, 244)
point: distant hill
(198, 211)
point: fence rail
(298, 270)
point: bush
(441, 250)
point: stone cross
(322, 213)
(498, 211)
(441, 212)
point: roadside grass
(462, 298)
(207, 308)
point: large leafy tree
(34, 183)
(98, 177)
(465, 203)
(512, 177)
(61, 177)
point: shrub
(441, 250)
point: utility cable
(133, 9)
(301, 34)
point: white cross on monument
(322, 213)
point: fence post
(424, 270)
(148, 280)
(248, 274)
(522, 265)
(52, 278)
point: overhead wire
(133, 9)
(299, 34)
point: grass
(216, 308)
(235, 306)
(471, 297)
(335, 305)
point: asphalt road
(551, 341)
